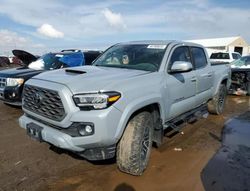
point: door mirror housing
(181, 66)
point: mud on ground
(29, 165)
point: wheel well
(150, 108)
(224, 82)
(154, 109)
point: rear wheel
(134, 148)
(248, 88)
(216, 105)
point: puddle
(229, 169)
(238, 100)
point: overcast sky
(45, 25)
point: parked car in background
(123, 103)
(240, 76)
(220, 57)
(12, 80)
(14, 61)
(4, 61)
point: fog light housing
(86, 129)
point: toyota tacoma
(121, 105)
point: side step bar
(178, 123)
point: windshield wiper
(128, 67)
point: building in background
(229, 44)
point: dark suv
(12, 80)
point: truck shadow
(77, 157)
(229, 168)
(124, 187)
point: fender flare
(135, 106)
(221, 80)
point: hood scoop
(72, 71)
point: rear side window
(219, 55)
(199, 57)
(180, 54)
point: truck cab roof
(161, 42)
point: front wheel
(216, 105)
(134, 148)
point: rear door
(181, 87)
(204, 74)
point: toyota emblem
(37, 98)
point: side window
(180, 54)
(235, 56)
(199, 57)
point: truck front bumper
(104, 130)
(51, 135)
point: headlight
(14, 81)
(96, 100)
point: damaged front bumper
(240, 82)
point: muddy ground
(29, 165)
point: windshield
(53, 61)
(139, 57)
(243, 61)
(219, 55)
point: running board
(179, 122)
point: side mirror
(181, 66)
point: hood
(242, 67)
(21, 72)
(26, 57)
(89, 78)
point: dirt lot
(29, 165)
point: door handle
(208, 75)
(193, 79)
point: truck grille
(2, 83)
(44, 102)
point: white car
(224, 57)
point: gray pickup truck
(122, 104)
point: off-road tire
(216, 105)
(134, 148)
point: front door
(181, 86)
